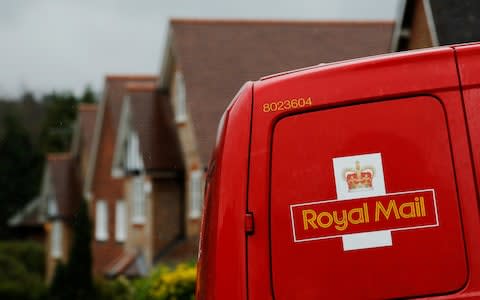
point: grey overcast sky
(64, 45)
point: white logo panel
(361, 176)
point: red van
(351, 180)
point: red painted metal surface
(221, 267)
(276, 156)
(412, 137)
(468, 58)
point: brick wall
(168, 212)
(138, 237)
(192, 161)
(110, 190)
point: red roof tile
(65, 183)
(153, 122)
(87, 114)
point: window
(101, 221)
(120, 221)
(180, 98)
(52, 206)
(138, 196)
(56, 240)
(196, 194)
(134, 160)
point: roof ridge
(87, 106)
(110, 77)
(207, 21)
(141, 86)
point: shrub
(30, 254)
(165, 283)
(117, 289)
(74, 280)
(16, 282)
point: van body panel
(468, 58)
(356, 82)
(398, 134)
(311, 222)
(222, 257)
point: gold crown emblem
(359, 178)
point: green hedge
(22, 271)
(31, 254)
(117, 289)
(163, 283)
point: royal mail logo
(391, 212)
(364, 215)
(359, 179)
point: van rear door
(364, 203)
(468, 58)
(360, 194)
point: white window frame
(138, 200)
(180, 98)
(52, 206)
(196, 194)
(120, 221)
(101, 220)
(56, 240)
(134, 160)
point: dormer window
(56, 240)
(196, 194)
(134, 161)
(180, 98)
(52, 206)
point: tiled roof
(65, 183)
(153, 122)
(181, 250)
(116, 90)
(32, 215)
(129, 264)
(108, 118)
(217, 57)
(87, 116)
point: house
(63, 198)
(82, 140)
(426, 23)
(60, 192)
(54, 208)
(105, 192)
(207, 61)
(147, 156)
(28, 223)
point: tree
(88, 95)
(74, 281)
(59, 289)
(21, 165)
(79, 266)
(57, 127)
